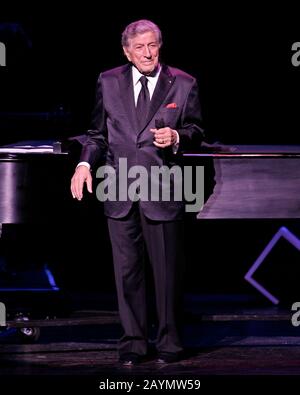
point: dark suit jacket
(114, 132)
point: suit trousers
(164, 244)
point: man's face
(143, 52)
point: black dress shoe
(130, 359)
(167, 357)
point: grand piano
(40, 223)
(33, 206)
(241, 183)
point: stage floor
(233, 338)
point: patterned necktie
(143, 102)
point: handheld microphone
(159, 123)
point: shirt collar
(136, 75)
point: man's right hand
(82, 174)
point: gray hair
(140, 27)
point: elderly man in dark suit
(146, 113)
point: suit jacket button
(139, 145)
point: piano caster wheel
(29, 335)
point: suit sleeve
(191, 133)
(95, 146)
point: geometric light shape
(292, 239)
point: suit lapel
(164, 84)
(127, 95)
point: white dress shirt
(137, 86)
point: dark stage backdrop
(241, 56)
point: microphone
(159, 123)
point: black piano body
(33, 186)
